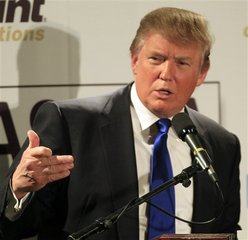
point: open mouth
(164, 92)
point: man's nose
(167, 71)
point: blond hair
(183, 27)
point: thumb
(34, 140)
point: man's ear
(203, 74)
(134, 60)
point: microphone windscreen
(182, 124)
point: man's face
(166, 74)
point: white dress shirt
(143, 120)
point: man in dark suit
(89, 157)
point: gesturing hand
(38, 167)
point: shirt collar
(145, 116)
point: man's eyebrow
(184, 58)
(157, 52)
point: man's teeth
(164, 92)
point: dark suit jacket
(98, 133)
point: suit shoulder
(209, 126)
(92, 104)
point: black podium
(219, 236)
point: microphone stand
(104, 223)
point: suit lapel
(205, 195)
(120, 159)
(118, 139)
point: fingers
(51, 174)
(55, 160)
(39, 167)
(34, 140)
(53, 165)
(47, 173)
(50, 165)
(35, 174)
(34, 148)
(58, 176)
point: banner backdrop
(68, 49)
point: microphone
(187, 131)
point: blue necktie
(161, 171)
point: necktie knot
(164, 125)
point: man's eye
(157, 59)
(183, 63)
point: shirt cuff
(14, 207)
(19, 203)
